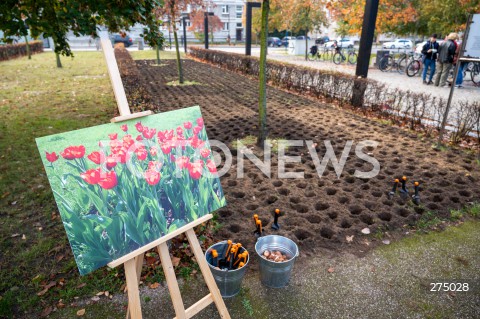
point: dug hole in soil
(318, 213)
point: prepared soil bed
(317, 212)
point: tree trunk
(59, 62)
(262, 100)
(29, 53)
(179, 63)
(306, 45)
(158, 54)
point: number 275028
(449, 286)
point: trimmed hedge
(12, 51)
(419, 111)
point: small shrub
(12, 51)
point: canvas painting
(120, 186)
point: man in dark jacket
(446, 52)
(429, 52)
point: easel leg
(207, 274)
(134, 308)
(138, 265)
(171, 281)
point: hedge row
(12, 51)
(419, 111)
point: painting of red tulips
(121, 186)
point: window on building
(239, 25)
(225, 26)
(224, 9)
(239, 11)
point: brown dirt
(319, 212)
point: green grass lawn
(38, 99)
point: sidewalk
(392, 79)
(392, 281)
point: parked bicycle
(391, 61)
(340, 57)
(313, 54)
(474, 68)
(415, 65)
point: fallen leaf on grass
(331, 269)
(154, 285)
(96, 298)
(81, 312)
(45, 289)
(15, 235)
(24, 237)
(107, 293)
(81, 285)
(60, 304)
(100, 293)
(46, 312)
(386, 241)
(349, 239)
(175, 261)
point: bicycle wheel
(312, 57)
(385, 63)
(413, 68)
(475, 73)
(402, 65)
(352, 58)
(337, 58)
(327, 55)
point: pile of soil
(318, 211)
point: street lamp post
(205, 20)
(184, 22)
(248, 40)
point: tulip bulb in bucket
(276, 272)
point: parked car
(322, 40)
(398, 44)
(419, 46)
(122, 38)
(274, 42)
(286, 39)
(302, 37)
(342, 43)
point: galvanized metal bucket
(273, 274)
(228, 282)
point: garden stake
(255, 218)
(394, 189)
(404, 190)
(232, 253)
(237, 249)
(215, 256)
(229, 242)
(259, 228)
(240, 265)
(275, 224)
(416, 197)
(241, 257)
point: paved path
(393, 79)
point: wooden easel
(133, 261)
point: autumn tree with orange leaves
(198, 24)
(405, 17)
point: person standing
(446, 52)
(229, 39)
(459, 80)
(429, 52)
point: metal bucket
(228, 282)
(272, 274)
